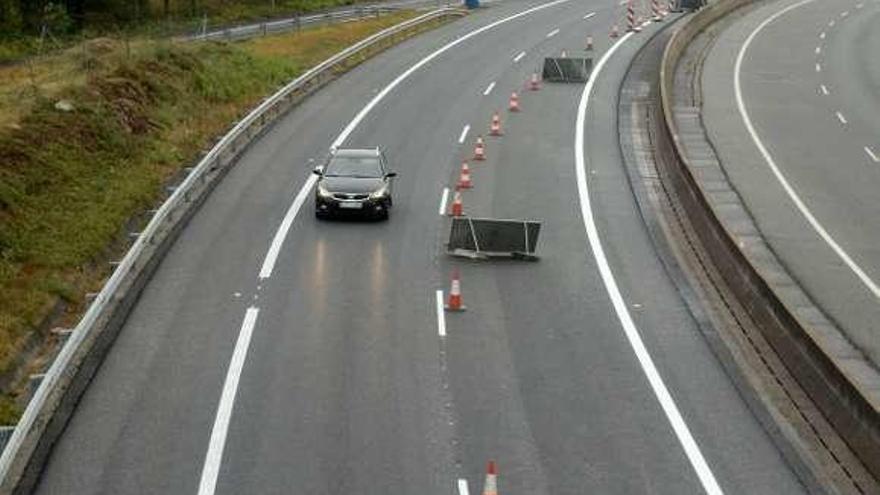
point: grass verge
(86, 156)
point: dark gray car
(354, 182)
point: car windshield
(349, 166)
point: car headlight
(323, 192)
(379, 193)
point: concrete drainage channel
(62, 385)
(832, 392)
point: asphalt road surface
(329, 374)
(809, 74)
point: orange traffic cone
(491, 485)
(457, 206)
(464, 180)
(480, 149)
(454, 302)
(495, 127)
(589, 43)
(534, 83)
(514, 102)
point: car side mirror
(391, 174)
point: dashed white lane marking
(463, 487)
(871, 153)
(818, 50)
(519, 57)
(211, 469)
(464, 133)
(489, 88)
(667, 403)
(553, 33)
(859, 5)
(591, 14)
(441, 317)
(792, 194)
(831, 23)
(841, 118)
(443, 199)
(844, 13)
(818, 67)
(822, 35)
(284, 228)
(824, 89)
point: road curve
(342, 383)
(808, 80)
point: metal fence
(44, 418)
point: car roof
(356, 153)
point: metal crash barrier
(567, 70)
(484, 238)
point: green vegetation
(64, 17)
(97, 139)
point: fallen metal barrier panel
(839, 379)
(54, 401)
(567, 70)
(484, 238)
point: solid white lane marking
(441, 317)
(841, 118)
(281, 233)
(443, 199)
(692, 450)
(822, 35)
(818, 68)
(519, 57)
(591, 14)
(489, 88)
(284, 228)
(211, 469)
(463, 487)
(824, 89)
(553, 33)
(792, 194)
(818, 50)
(464, 133)
(870, 153)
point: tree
(10, 18)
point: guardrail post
(5, 434)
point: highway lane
(808, 86)
(347, 386)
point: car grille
(350, 196)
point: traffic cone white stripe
(514, 102)
(454, 303)
(464, 179)
(495, 127)
(490, 487)
(534, 83)
(480, 149)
